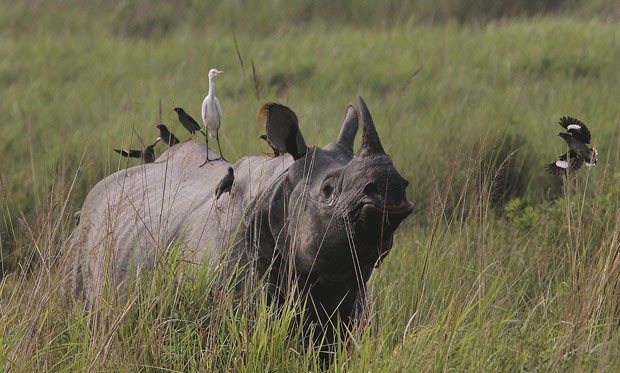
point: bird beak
(219, 72)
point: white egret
(212, 114)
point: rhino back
(130, 218)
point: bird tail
(203, 133)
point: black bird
(576, 136)
(225, 185)
(167, 136)
(147, 154)
(276, 151)
(188, 121)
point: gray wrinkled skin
(323, 221)
(131, 216)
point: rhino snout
(393, 204)
(392, 213)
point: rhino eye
(370, 189)
(327, 190)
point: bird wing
(129, 153)
(189, 122)
(167, 136)
(218, 108)
(568, 161)
(193, 122)
(576, 128)
(173, 139)
(203, 110)
(225, 185)
(221, 188)
(212, 115)
(218, 192)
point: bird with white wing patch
(578, 152)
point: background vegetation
(502, 267)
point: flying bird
(576, 136)
(276, 151)
(212, 114)
(188, 121)
(147, 154)
(225, 185)
(167, 136)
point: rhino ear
(349, 128)
(282, 129)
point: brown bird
(578, 153)
(276, 151)
(188, 121)
(167, 136)
(273, 112)
(225, 185)
(147, 154)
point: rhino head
(330, 218)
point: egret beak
(219, 72)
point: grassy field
(500, 268)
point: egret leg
(207, 146)
(219, 148)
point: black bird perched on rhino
(147, 154)
(188, 122)
(167, 136)
(225, 185)
(314, 223)
(576, 136)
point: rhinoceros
(323, 217)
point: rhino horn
(370, 139)
(349, 128)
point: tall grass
(476, 291)
(501, 267)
